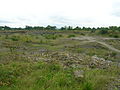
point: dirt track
(86, 39)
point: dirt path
(93, 39)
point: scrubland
(59, 60)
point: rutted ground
(98, 40)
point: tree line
(49, 27)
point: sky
(88, 13)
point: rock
(79, 73)
(79, 66)
(97, 62)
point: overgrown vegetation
(59, 60)
(49, 76)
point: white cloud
(60, 12)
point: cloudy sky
(89, 13)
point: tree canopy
(49, 27)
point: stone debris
(79, 73)
(97, 62)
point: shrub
(116, 36)
(50, 36)
(103, 31)
(15, 38)
(60, 35)
(72, 35)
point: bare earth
(87, 39)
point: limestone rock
(79, 73)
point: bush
(103, 32)
(50, 36)
(116, 36)
(72, 35)
(15, 38)
(60, 35)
